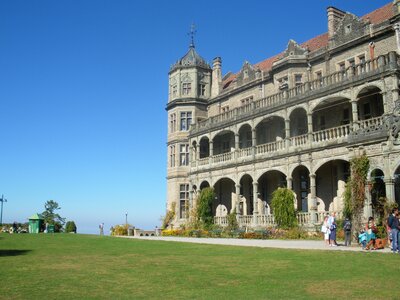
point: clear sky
(84, 85)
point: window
(347, 29)
(346, 116)
(318, 75)
(361, 61)
(172, 156)
(172, 122)
(352, 62)
(322, 122)
(186, 88)
(202, 89)
(341, 66)
(184, 154)
(246, 101)
(225, 109)
(186, 120)
(183, 199)
(174, 90)
(226, 147)
(298, 79)
(367, 111)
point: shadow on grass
(13, 252)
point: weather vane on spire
(191, 34)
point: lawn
(67, 266)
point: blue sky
(83, 89)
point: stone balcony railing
(332, 136)
(360, 72)
(303, 219)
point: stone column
(368, 202)
(354, 111)
(396, 28)
(190, 206)
(313, 194)
(236, 145)
(254, 140)
(390, 191)
(255, 203)
(287, 133)
(385, 103)
(211, 151)
(289, 182)
(237, 199)
(198, 152)
(310, 128)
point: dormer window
(298, 79)
(245, 74)
(186, 88)
(202, 89)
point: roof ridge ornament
(192, 33)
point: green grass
(67, 266)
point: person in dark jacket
(394, 225)
(347, 232)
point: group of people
(367, 237)
(329, 230)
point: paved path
(286, 244)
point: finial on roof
(191, 34)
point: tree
(204, 206)
(70, 227)
(283, 208)
(51, 217)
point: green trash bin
(50, 228)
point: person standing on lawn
(332, 228)
(394, 225)
(347, 232)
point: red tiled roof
(379, 15)
(375, 17)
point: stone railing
(359, 71)
(303, 219)
(245, 152)
(369, 123)
(299, 140)
(270, 147)
(331, 133)
(223, 157)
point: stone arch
(268, 182)
(298, 121)
(223, 142)
(204, 184)
(246, 195)
(376, 84)
(301, 186)
(245, 136)
(278, 114)
(317, 102)
(332, 112)
(270, 129)
(204, 145)
(292, 108)
(331, 178)
(224, 201)
(377, 186)
(370, 102)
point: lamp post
(2, 200)
(126, 218)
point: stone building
(294, 120)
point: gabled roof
(375, 17)
(36, 217)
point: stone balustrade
(360, 71)
(303, 219)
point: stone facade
(293, 120)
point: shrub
(70, 227)
(169, 216)
(283, 208)
(120, 230)
(204, 207)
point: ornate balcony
(338, 80)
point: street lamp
(2, 200)
(126, 218)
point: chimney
(335, 16)
(396, 7)
(216, 77)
